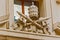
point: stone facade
(48, 8)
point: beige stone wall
(58, 12)
(2, 7)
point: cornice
(16, 33)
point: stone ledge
(23, 34)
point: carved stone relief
(32, 26)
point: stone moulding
(4, 19)
(13, 33)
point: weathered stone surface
(2, 38)
(13, 38)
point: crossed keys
(45, 31)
